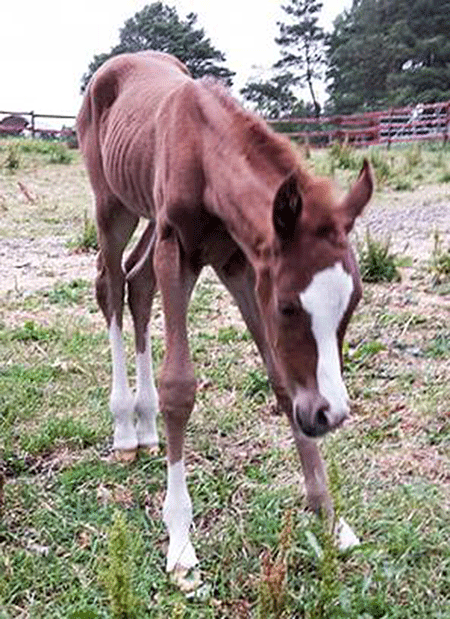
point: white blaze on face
(326, 300)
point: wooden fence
(33, 126)
(421, 122)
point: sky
(47, 45)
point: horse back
(117, 122)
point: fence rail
(32, 126)
(420, 122)
(405, 124)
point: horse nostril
(322, 419)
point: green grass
(71, 518)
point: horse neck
(241, 193)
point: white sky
(47, 45)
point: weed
(439, 262)
(439, 346)
(118, 576)
(56, 429)
(31, 331)
(376, 263)
(272, 584)
(68, 294)
(381, 165)
(413, 156)
(59, 153)
(13, 160)
(345, 156)
(403, 184)
(445, 177)
(87, 239)
(256, 385)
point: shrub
(376, 263)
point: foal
(217, 187)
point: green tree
(301, 42)
(389, 52)
(424, 75)
(158, 27)
(272, 98)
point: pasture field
(81, 537)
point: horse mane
(258, 141)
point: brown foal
(217, 187)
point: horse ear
(359, 195)
(286, 209)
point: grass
(83, 537)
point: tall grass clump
(376, 263)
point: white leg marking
(177, 514)
(346, 538)
(326, 300)
(146, 401)
(121, 401)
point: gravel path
(409, 218)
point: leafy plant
(376, 263)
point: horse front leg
(177, 387)
(238, 276)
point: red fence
(421, 122)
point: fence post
(447, 123)
(32, 123)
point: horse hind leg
(115, 226)
(141, 283)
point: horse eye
(323, 231)
(289, 309)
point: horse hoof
(149, 450)
(125, 456)
(346, 539)
(187, 580)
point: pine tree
(389, 52)
(301, 41)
